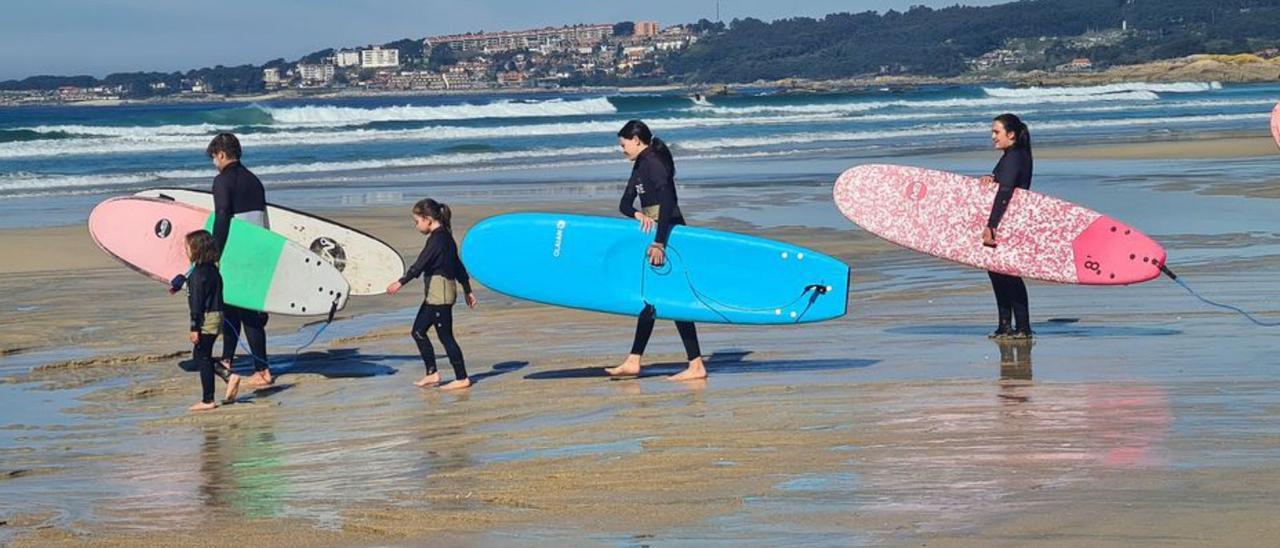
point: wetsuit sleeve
(197, 287)
(222, 209)
(427, 259)
(666, 199)
(627, 206)
(464, 279)
(1006, 175)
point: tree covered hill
(940, 42)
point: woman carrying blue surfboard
(653, 181)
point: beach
(1138, 416)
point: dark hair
(202, 248)
(635, 129)
(1021, 135)
(429, 208)
(226, 143)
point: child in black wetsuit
(204, 297)
(442, 272)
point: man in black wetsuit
(237, 193)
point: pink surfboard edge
(95, 226)
(1095, 259)
(1275, 124)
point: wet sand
(1137, 417)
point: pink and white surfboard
(1040, 237)
(1275, 124)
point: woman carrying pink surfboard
(1013, 171)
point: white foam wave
(25, 181)
(142, 140)
(314, 115)
(865, 106)
(1175, 87)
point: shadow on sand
(719, 363)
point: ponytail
(432, 209)
(635, 129)
(1022, 135)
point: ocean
(353, 143)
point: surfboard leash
(1238, 310)
(333, 309)
(818, 290)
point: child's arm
(464, 279)
(425, 264)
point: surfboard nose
(1110, 252)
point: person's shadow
(718, 363)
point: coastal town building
(271, 77)
(534, 39)
(314, 75)
(347, 58)
(417, 80)
(377, 57)
(1079, 64)
(646, 28)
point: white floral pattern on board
(943, 214)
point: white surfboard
(368, 264)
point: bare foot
(203, 406)
(696, 371)
(256, 379)
(429, 380)
(233, 388)
(457, 385)
(629, 368)
(266, 377)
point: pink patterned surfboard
(1275, 124)
(1040, 237)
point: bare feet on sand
(233, 388)
(261, 378)
(629, 368)
(429, 380)
(203, 407)
(696, 371)
(457, 385)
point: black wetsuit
(238, 192)
(654, 183)
(204, 299)
(1013, 171)
(439, 265)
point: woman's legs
(689, 336)
(1013, 304)
(1020, 303)
(644, 328)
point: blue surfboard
(599, 264)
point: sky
(98, 37)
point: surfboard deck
(599, 264)
(368, 264)
(1041, 237)
(261, 270)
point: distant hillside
(942, 42)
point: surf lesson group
(238, 260)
